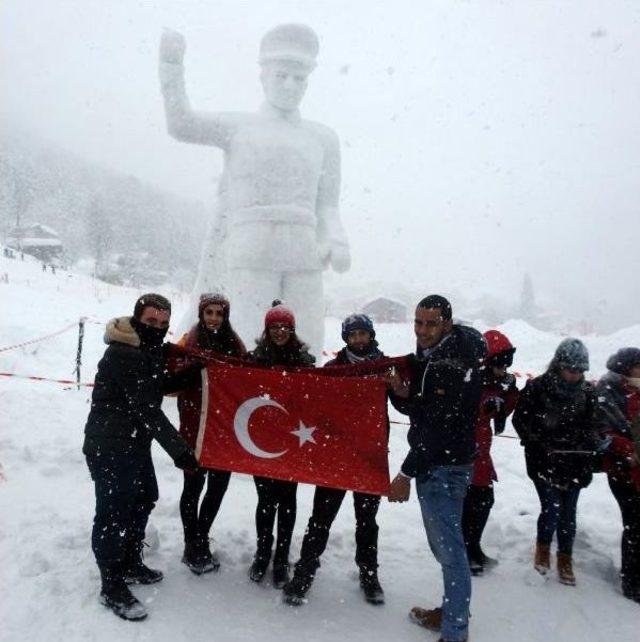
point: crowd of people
(458, 394)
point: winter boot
(259, 567)
(294, 592)
(135, 571)
(210, 558)
(565, 569)
(195, 559)
(542, 559)
(370, 585)
(116, 595)
(476, 566)
(428, 618)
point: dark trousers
(557, 515)
(197, 517)
(628, 499)
(326, 504)
(275, 497)
(126, 492)
(475, 514)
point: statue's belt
(273, 214)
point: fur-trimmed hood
(120, 330)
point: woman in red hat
(499, 397)
(278, 346)
(212, 332)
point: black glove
(499, 423)
(186, 461)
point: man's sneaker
(123, 603)
(370, 586)
(428, 618)
(140, 573)
(258, 568)
(280, 575)
(196, 560)
(295, 591)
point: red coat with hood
(505, 394)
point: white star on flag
(304, 434)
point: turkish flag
(296, 426)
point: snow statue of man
(277, 224)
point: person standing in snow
(499, 396)
(214, 333)
(555, 419)
(441, 399)
(619, 421)
(125, 417)
(278, 223)
(278, 346)
(360, 336)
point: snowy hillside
(49, 581)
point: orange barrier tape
(48, 336)
(34, 378)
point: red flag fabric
(295, 425)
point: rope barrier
(34, 378)
(47, 336)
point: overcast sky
(480, 140)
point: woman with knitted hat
(278, 346)
(214, 333)
(499, 396)
(619, 421)
(556, 421)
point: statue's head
(287, 57)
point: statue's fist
(340, 257)
(172, 46)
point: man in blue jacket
(441, 400)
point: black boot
(294, 592)
(210, 557)
(116, 596)
(259, 567)
(137, 572)
(195, 558)
(280, 574)
(370, 585)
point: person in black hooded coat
(555, 419)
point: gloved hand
(493, 405)
(186, 461)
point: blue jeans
(441, 495)
(557, 515)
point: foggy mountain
(132, 230)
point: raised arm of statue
(332, 239)
(184, 123)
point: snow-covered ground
(49, 581)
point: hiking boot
(294, 592)
(280, 575)
(542, 558)
(565, 569)
(428, 618)
(195, 558)
(370, 586)
(258, 568)
(139, 573)
(476, 566)
(115, 595)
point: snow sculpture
(277, 224)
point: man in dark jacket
(125, 417)
(359, 335)
(441, 399)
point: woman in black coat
(278, 346)
(556, 420)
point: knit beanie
(279, 314)
(573, 354)
(213, 298)
(622, 361)
(357, 322)
(151, 300)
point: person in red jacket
(499, 397)
(214, 333)
(619, 421)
